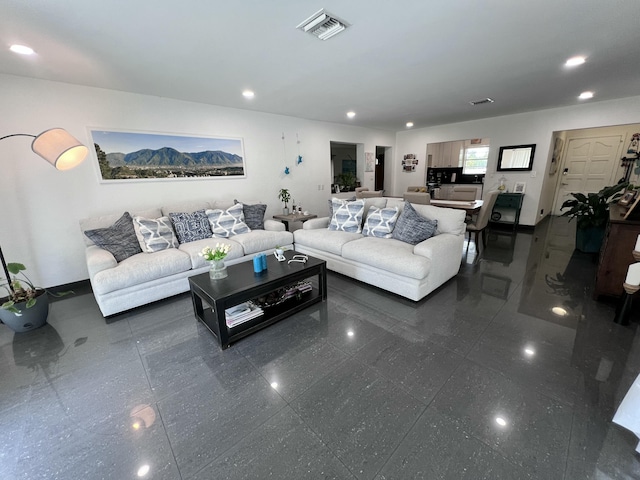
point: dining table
(470, 206)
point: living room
(67, 413)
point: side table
(293, 217)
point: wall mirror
(516, 158)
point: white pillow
(157, 233)
(225, 223)
(347, 216)
(380, 222)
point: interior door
(379, 169)
(589, 165)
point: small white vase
(217, 270)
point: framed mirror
(516, 158)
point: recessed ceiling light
(501, 421)
(351, 114)
(248, 94)
(585, 95)
(409, 124)
(21, 49)
(575, 61)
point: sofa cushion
(261, 240)
(225, 223)
(254, 215)
(320, 239)
(157, 233)
(141, 268)
(450, 220)
(347, 216)
(330, 202)
(380, 222)
(412, 227)
(387, 254)
(190, 227)
(103, 221)
(193, 249)
(119, 239)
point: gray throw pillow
(190, 227)
(254, 215)
(412, 227)
(119, 239)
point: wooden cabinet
(615, 254)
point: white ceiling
(401, 60)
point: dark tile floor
(481, 380)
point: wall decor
(519, 187)
(409, 163)
(555, 158)
(369, 162)
(516, 157)
(142, 156)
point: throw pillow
(347, 216)
(412, 227)
(225, 223)
(380, 222)
(119, 239)
(331, 204)
(254, 215)
(190, 227)
(157, 233)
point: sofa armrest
(98, 259)
(315, 223)
(274, 225)
(439, 246)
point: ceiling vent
(323, 25)
(481, 102)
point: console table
(507, 201)
(615, 254)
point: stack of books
(283, 294)
(242, 313)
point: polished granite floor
(481, 380)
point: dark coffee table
(212, 297)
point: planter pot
(589, 240)
(30, 318)
(285, 211)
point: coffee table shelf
(212, 297)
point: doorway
(589, 164)
(379, 168)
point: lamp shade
(59, 148)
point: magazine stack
(242, 313)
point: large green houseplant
(591, 212)
(27, 306)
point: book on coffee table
(241, 313)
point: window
(475, 160)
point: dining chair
(481, 221)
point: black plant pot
(30, 318)
(589, 240)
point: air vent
(323, 25)
(481, 102)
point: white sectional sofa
(412, 271)
(147, 277)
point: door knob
(564, 183)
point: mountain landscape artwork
(140, 156)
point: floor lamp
(61, 150)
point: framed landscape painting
(140, 156)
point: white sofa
(147, 277)
(412, 271)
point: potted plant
(284, 196)
(27, 307)
(591, 212)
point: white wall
(533, 127)
(40, 206)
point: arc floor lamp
(60, 149)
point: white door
(589, 165)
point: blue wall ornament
(286, 170)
